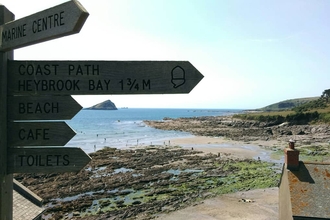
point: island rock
(106, 105)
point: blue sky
(251, 53)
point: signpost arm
(6, 180)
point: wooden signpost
(41, 90)
(59, 21)
(101, 77)
(42, 107)
(39, 134)
(47, 160)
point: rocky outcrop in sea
(106, 105)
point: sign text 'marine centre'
(101, 77)
(59, 21)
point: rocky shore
(144, 183)
(244, 130)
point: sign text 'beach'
(42, 107)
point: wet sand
(236, 149)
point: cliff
(106, 105)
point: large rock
(106, 105)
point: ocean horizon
(124, 127)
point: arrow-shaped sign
(39, 133)
(59, 21)
(42, 107)
(46, 160)
(101, 77)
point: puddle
(178, 172)
(122, 170)
(107, 204)
(98, 172)
(71, 198)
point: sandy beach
(236, 149)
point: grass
(312, 153)
(248, 175)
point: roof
(310, 190)
(26, 204)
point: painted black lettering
(14, 33)
(56, 23)
(47, 70)
(44, 85)
(21, 85)
(51, 85)
(62, 18)
(57, 159)
(34, 27)
(75, 85)
(86, 69)
(40, 161)
(30, 160)
(66, 161)
(22, 157)
(54, 107)
(37, 82)
(21, 134)
(38, 108)
(21, 70)
(38, 70)
(49, 160)
(146, 84)
(98, 84)
(71, 68)
(21, 108)
(91, 85)
(107, 82)
(79, 70)
(46, 134)
(96, 70)
(49, 22)
(48, 85)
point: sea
(124, 127)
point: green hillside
(293, 111)
(287, 104)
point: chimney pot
(291, 156)
(291, 144)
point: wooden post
(6, 180)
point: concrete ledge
(28, 194)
